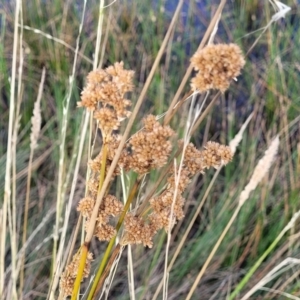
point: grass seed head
(217, 65)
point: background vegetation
(133, 32)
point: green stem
(112, 241)
(85, 246)
(253, 269)
(83, 256)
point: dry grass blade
(275, 272)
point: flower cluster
(147, 149)
(110, 206)
(104, 94)
(150, 147)
(217, 65)
(138, 230)
(68, 277)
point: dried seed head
(122, 78)
(66, 284)
(107, 120)
(215, 155)
(150, 147)
(68, 277)
(111, 206)
(137, 231)
(104, 93)
(182, 183)
(193, 160)
(162, 206)
(104, 232)
(86, 206)
(217, 65)
(93, 185)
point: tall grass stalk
(61, 188)
(12, 218)
(194, 113)
(8, 201)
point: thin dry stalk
(130, 273)
(35, 131)
(192, 117)
(260, 171)
(57, 256)
(275, 272)
(99, 33)
(56, 40)
(7, 188)
(12, 217)
(109, 174)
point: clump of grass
(121, 206)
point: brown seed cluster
(217, 65)
(195, 161)
(147, 149)
(162, 206)
(112, 144)
(215, 155)
(105, 95)
(138, 231)
(68, 277)
(110, 207)
(150, 148)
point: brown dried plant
(148, 149)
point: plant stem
(105, 258)
(83, 255)
(85, 246)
